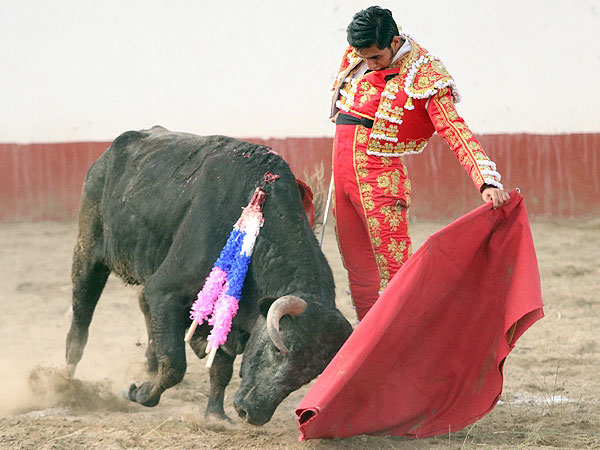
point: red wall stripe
(557, 174)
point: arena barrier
(557, 174)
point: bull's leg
(220, 376)
(151, 361)
(220, 372)
(168, 329)
(89, 277)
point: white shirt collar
(403, 50)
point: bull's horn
(288, 304)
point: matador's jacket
(408, 103)
(388, 114)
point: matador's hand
(498, 197)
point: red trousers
(372, 196)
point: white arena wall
(77, 73)
(81, 70)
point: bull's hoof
(216, 418)
(140, 394)
(71, 370)
(218, 422)
(127, 391)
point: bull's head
(291, 343)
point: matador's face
(380, 59)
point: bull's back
(157, 184)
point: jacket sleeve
(465, 146)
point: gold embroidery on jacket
(382, 127)
(368, 90)
(376, 145)
(430, 75)
(385, 107)
(467, 148)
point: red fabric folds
(427, 358)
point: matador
(388, 100)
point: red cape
(427, 358)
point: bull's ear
(264, 304)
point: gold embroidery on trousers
(362, 135)
(361, 164)
(397, 249)
(366, 191)
(384, 273)
(393, 215)
(374, 227)
(386, 160)
(390, 182)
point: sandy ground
(552, 379)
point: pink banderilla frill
(218, 301)
(225, 310)
(207, 297)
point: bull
(156, 210)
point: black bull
(157, 209)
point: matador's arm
(459, 137)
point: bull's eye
(277, 354)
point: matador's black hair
(373, 25)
